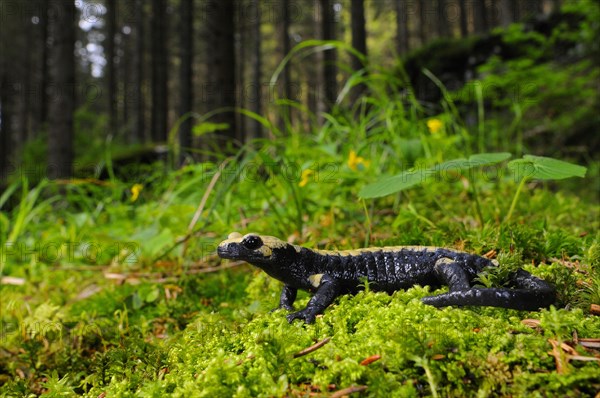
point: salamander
(329, 274)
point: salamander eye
(252, 242)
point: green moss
(485, 351)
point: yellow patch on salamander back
(315, 279)
(358, 252)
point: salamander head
(263, 251)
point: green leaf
(389, 185)
(158, 242)
(543, 168)
(136, 301)
(454, 164)
(4, 224)
(208, 127)
(408, 179)
(488, 159)
(152, 295)
(8, 192)
(477, 160)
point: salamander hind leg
(529, 294)
(327, 290)
(451, 274)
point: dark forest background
(78, 75)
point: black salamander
(329, 274)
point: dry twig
(347, 391)
(312, 348)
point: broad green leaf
(389, 185)
(488, 159)
(521, 168)
(411, 178)
(454, 164)
(543, 168)
(477, 160)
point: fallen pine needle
(370, 359)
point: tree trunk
(464, 18)
(62, 106)
(5, 127)
(40, 105)
(402, 45)
(111, 81)
(255, 98)
(26, 84)
(541, 7)
(159, 71)
(186, 82)
(492, 14)
(328, 73)
(533, 8)
(443, 24)
(359, 42)
(556, 5)
(505, 12)
(359, 34)
(284, 38)
(138, 74)
(220, 90)
(125, 79)
(516, 10)
(314, 69)
(423, 21)
(240, 47)
(479, 17)
(8, 96)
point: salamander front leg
(287, 298)
(327, 290)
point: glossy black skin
(386, 269)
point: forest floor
(95, 308)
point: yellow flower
(434, 125)
(357, 162)
(135, 191)
(305, 177)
